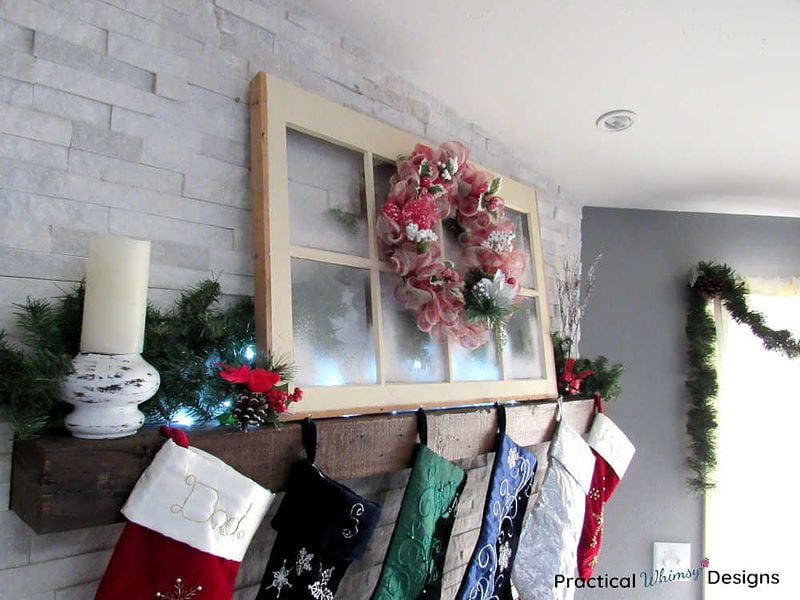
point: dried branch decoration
(573, 292)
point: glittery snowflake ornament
(179, 592)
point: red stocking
(613, 452)
(190, 520)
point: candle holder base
(105, 390)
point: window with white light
(749, 527)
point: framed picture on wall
(328, 295)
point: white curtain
(751, 520)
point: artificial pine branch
(183, 344)
(712, 281)
(605, 378)
(30, 380)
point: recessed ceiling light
(616, 120)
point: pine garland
(711, 281)
(30, 381)
(183, 343)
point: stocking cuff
(570, 449)
(193, 497)
(611, 443)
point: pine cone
(250, 410)
(709, 286)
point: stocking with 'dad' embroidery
(190, 519)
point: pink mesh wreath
(435, 186)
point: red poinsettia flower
(240, 375)
(261, 380)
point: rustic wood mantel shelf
(60, 483)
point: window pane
(476, 365)
(327, 203)
(382, 172)
(332, 324)
(523, 242)
(410, 354)
(453, 251)
(523, 353)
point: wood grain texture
(60, 483)
(259, 185)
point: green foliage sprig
(30, 379)
(712, 281)
(605, 377)
(183, 343)
(479, 306)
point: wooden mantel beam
(60, 483)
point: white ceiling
(715, 84)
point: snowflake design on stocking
(513, 457)
(280, 578)
(319, 589)
(503, 556)
(304, 558)
(179, 593)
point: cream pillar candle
(115, 303)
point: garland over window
(710, 281)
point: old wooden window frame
(276, 106)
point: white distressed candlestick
(109, 378)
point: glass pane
(382, 172)
(453, 251)
(523, 352)
(523, 242)
(480, 364)
(410, 354)
(327, 203)
(332, 324)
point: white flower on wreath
(415, 234)
(448, 169)
(500, 241)
(497, 290)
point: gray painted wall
(636, 316)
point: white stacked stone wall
(130, 117)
